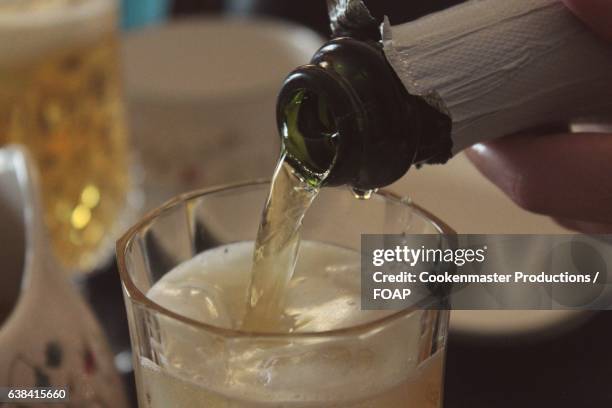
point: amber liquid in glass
(66, 107)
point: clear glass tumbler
(377, 359)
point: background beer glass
(60, 96)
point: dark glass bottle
(347, 113)
(481, 70)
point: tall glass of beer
(185, 270)
(60, 96)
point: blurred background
(176, 95)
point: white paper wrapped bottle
(384, 97)
(500, 66)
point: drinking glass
(393, 359)
(60, 96)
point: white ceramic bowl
(201, 96)
(458, 194)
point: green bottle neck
(347, 118)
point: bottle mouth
(318, 122)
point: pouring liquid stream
(276, 247)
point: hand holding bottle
(566, 176)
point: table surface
(571, 370)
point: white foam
(323, 295)
(28, 34)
